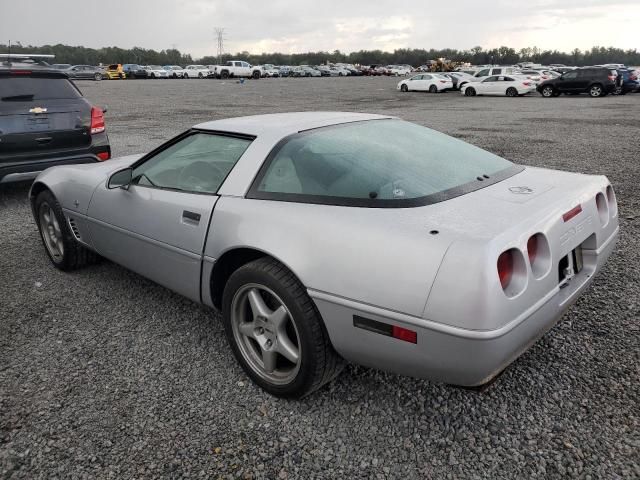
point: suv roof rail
(30, 58)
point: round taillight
(603, 209)
(505, 268)
(613, 203)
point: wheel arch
(230, 261)
(36, 189)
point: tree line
(411, 56)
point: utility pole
(220, 40)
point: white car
(155, 71)
(426, 82)
(175, 71)
(500, 85)
(339, 71)
(196, 71)
(480, 75)
(399, 70)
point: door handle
(44, 139)
(187, 215)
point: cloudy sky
(292, 26)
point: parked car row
(597, 81)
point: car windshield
(373, 161)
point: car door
(157, 225)
(568, 82)
(425, 82)
(488, 86)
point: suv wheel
(596, 90)
(548, 91)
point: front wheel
(97, 77)
(63, 249)
(275, 330)
(404, 88)
(512, 92)
(470, 92)
(200, 75)
(256, 75)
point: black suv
(134, 70)
(45, 121)
(596, 81)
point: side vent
(74, 229)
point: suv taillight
(612, 78)
(97, 120)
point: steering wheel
(201, 177)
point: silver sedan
(325, 237)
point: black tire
(200, 75)
(470, 92)
(548, 91)
(97, 77)
(224, 74)
(596, 90)
(256, 75)
(153, 76)
(186, 75)
(512, 92)
(319, 362)
(433, 89)
(404, 88)
(75, 255)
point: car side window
(570, 75)
(507, 79)
(483, 73)
(491, 79)
(497, 71)
(198, 163)
(426, 77)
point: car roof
(283, 124)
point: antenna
(220, 40)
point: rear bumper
(28, 170)
(445, 353)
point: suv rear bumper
(28, 170)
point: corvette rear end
(520, 253)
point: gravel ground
(106, 375)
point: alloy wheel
(51, 232)
(266, 334)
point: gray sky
(292, 26)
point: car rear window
(376, 163)
(21, 88)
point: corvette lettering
(573, 231)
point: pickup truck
(237, 68)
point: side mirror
(121, 179)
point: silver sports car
(325, 237)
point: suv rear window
(25, 89)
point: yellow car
(114, 72)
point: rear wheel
(275, 330)
(186, 75)
(153, 75)
(548, 91)
(224, 74)
(97, 77)
(404, 88)
(200, 75)
(433, 89)
(512, 92)
(596, 90)
(63, 249)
